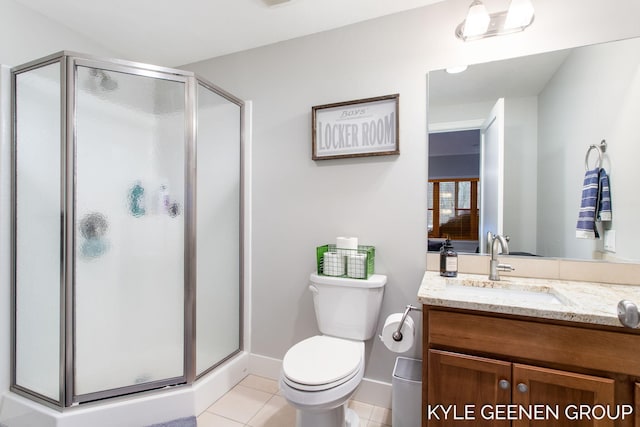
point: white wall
(580, 106)
(520, 183)
(299, 204)
(26, 35)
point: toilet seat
(322, 362)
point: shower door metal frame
(143, 71)
(16, 388)
(192, 373)
(69, 61)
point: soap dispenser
(448, 260)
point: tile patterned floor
(256, 402)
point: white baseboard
(373, 392)
(264, 366)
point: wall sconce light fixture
(480, 24)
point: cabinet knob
(504, 384)
(522, 388)
(628, 314)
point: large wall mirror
(544, 111)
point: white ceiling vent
(275, 2)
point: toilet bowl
(321, 373)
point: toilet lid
(322, 360)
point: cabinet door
(636, 409)
(564, 392)
(461, 385)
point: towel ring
(600, 148)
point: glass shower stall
(126, 228)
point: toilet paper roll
(332, 264)
(346, 246)
(408, 333)
(347, 242)
(357, 266)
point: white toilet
(319, 374)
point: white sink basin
(503, 290)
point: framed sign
(366, 127)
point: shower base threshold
(134, 410)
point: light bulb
(477, 20)
(520, 14)
(456, 69)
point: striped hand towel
(603, 210)
(586, 227)
(595, 205)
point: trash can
(406, 393)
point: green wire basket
(352, 263)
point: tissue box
(353, 263)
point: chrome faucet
(494, 266)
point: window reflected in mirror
(454, 189)
(453, 209)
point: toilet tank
(347, 308)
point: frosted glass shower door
(129, 219)
(38, 231)
(218, 225)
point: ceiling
(515, 77)
(173, 33)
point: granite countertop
(584, 302)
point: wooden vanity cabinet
(551, 388)
(480, 370)
(457, 381)
(487, 388)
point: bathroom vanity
(526, 351)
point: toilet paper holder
(397, 335)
